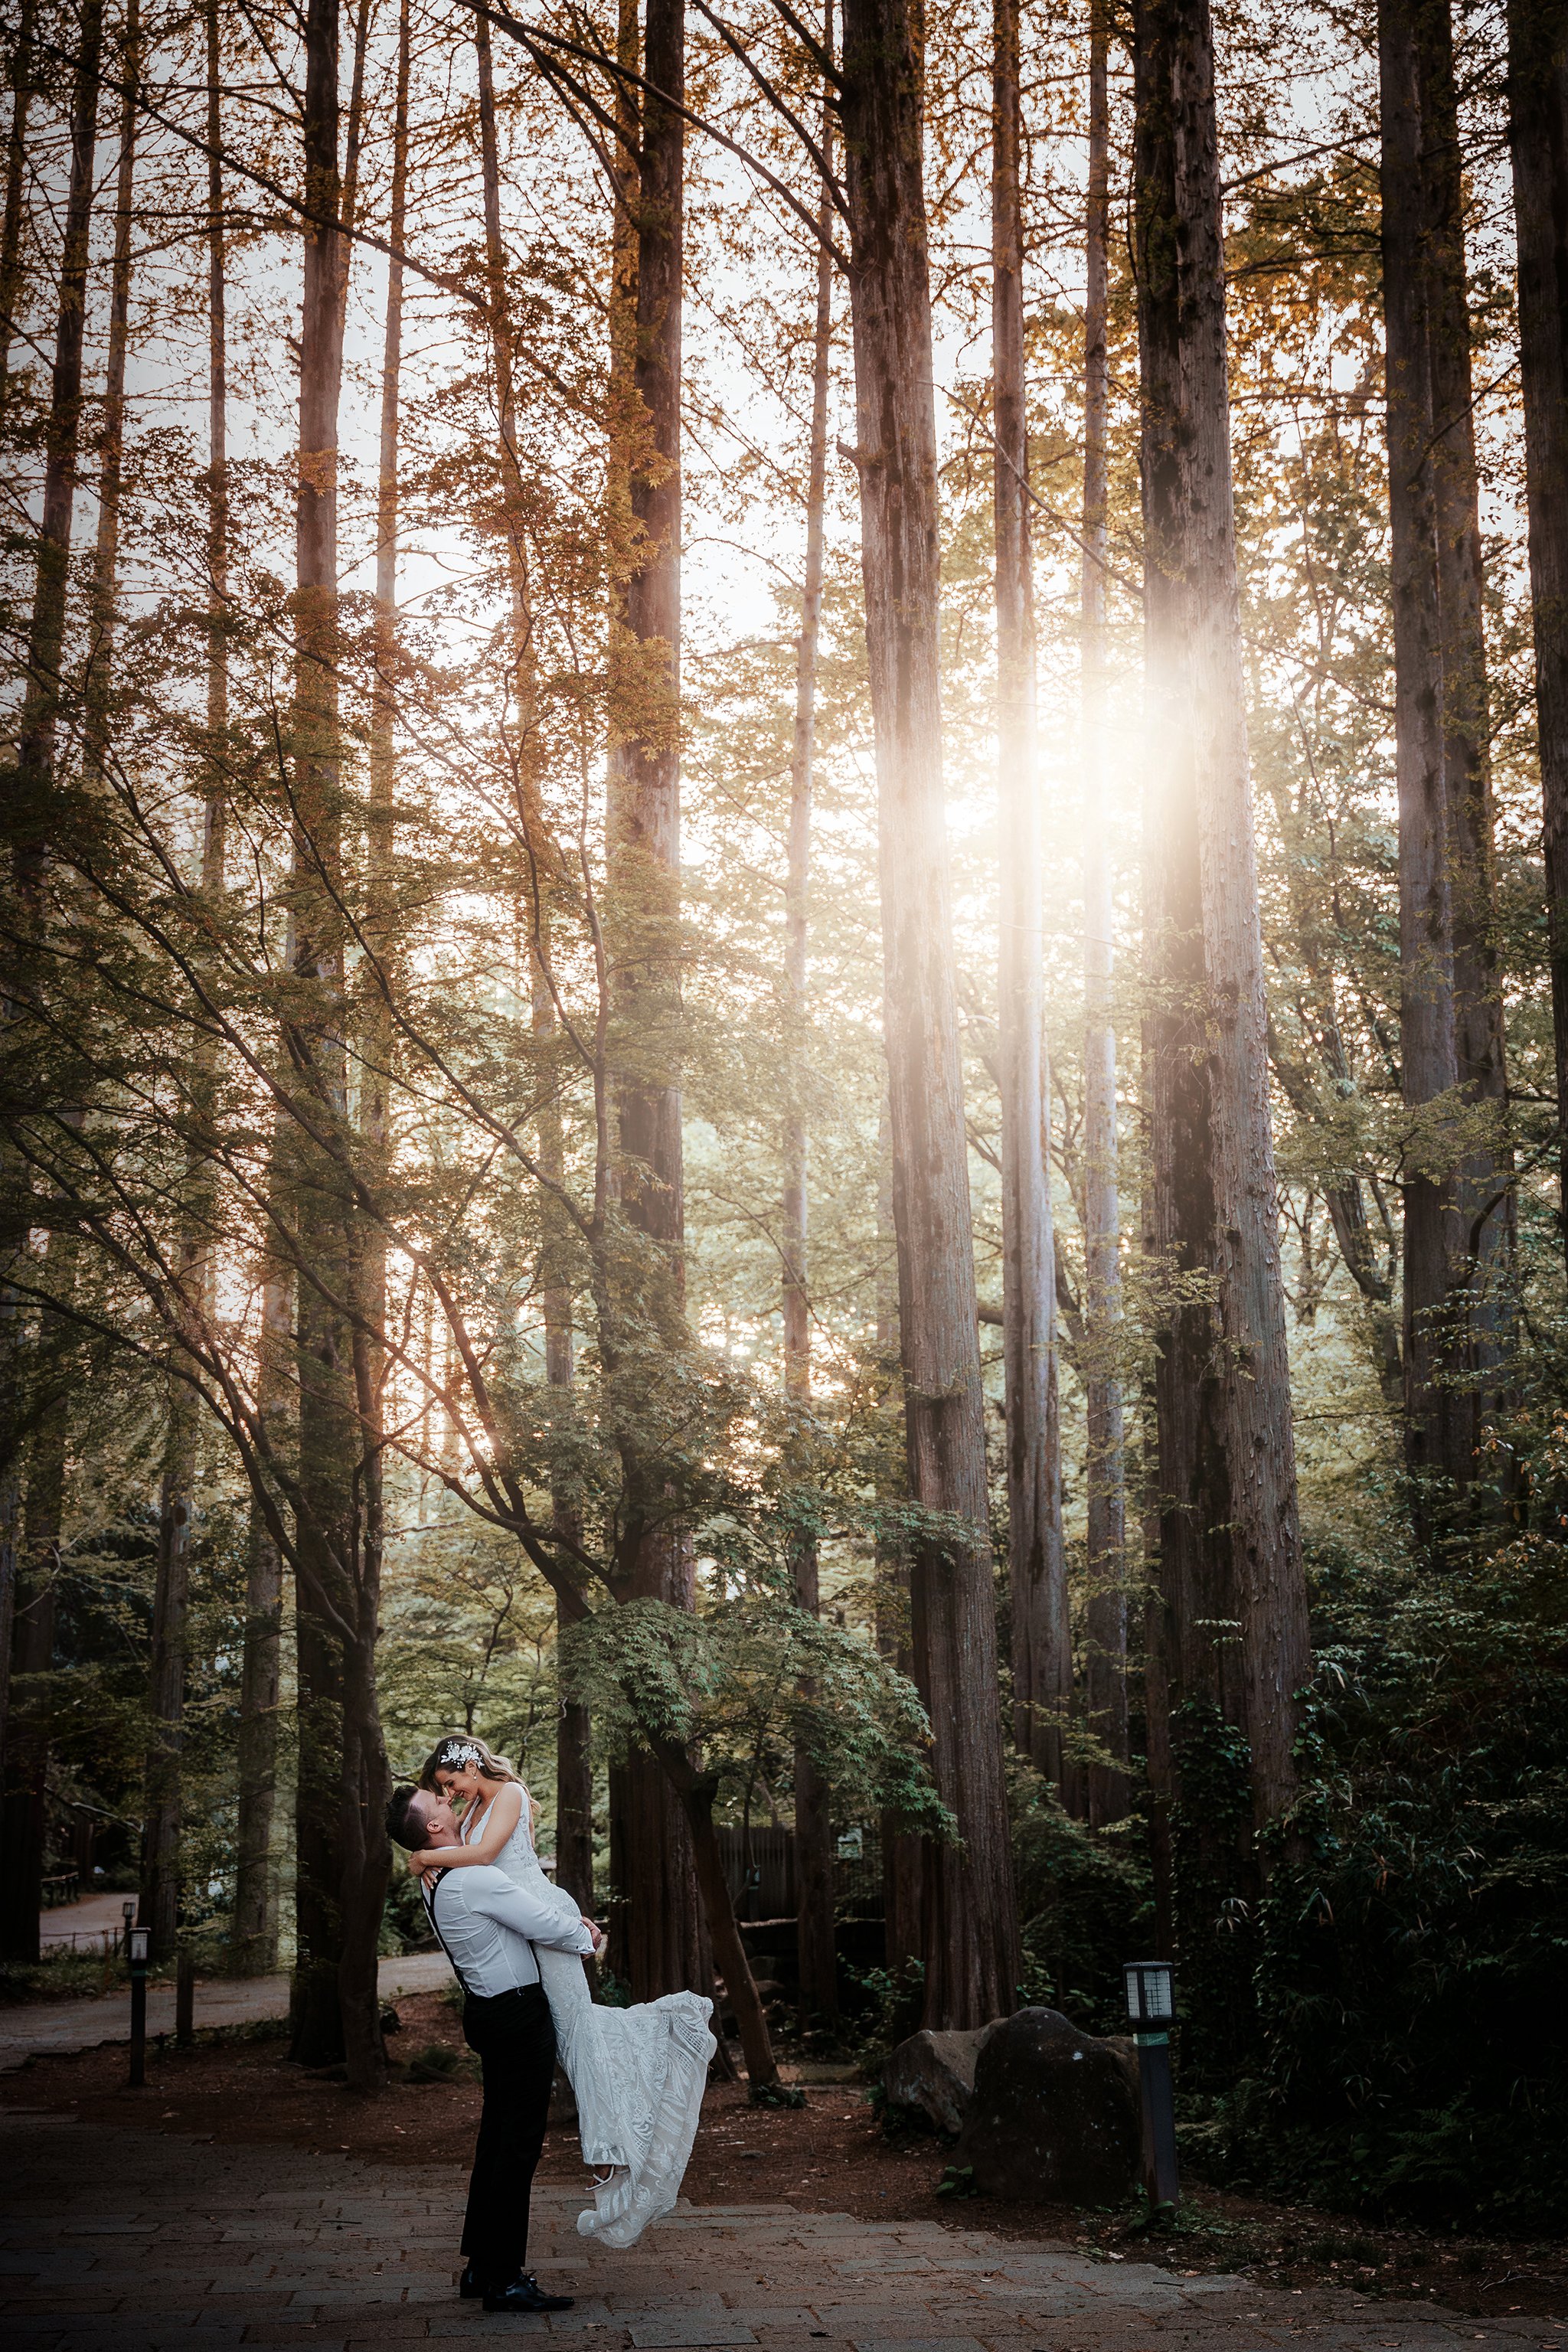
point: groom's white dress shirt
(488, 1927)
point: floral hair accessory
(457, 1752)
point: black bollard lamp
(1151, 2012)
(138, 1938)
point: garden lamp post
(128, 1912)
(138, 1938)
(1151, 2012)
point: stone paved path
(32, 2029)
(128, 2241)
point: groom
(488, 1928)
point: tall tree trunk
(1435, 1428)
(349, 206)
(328, 1430)
(1485, 1179)
(512, 503)
(26, 1752)
(22, 1818)
(1538, 124)
(253, 1927)
(253, 1932)
(1042, 1634)
(1106, 1673)
(1259, 1442)
(970, 1921)
(574, 1729)
(104, 597)
(1194, 1619)
(813, 1810)
(573, 1746)
(658, 1884)
(45, 642)
(11, 273)
(160, 1895)
(903, 1870)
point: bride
(638, 2073)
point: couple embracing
(517, 1944)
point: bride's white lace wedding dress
(638, 2073)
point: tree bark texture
(513, 510)
(216, 807)
(1042, 1633)
(1255, 1379)
(22, 1816)
(13, 275)
(1435, 1417)
(657, 1880)
(903, 1870)
(1538, 118)
(45, 640)
(969, 1922)
(1485, 1177)
(1106, 1671)
(104, 595)
(1196, 1613)
(813, 1803)
(33, 1608)
(341, 1853)
(1199, 658)
(253, 1931)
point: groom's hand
(601, 1941)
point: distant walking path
(118, 2240)
(92, 1924)
(32, 2029)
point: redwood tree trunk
(658, 1881)
(1106, 1674)
(1042, 1635)
(1485, 1179)
(328, 1432)
(26, 1753)
(1197, 1609)
(253, 1931)
(1255, 1388)
(901, 1847)
(813, 1809)
(1538, 118)
(45, 640)
(11, 274)
(103, 606)
(969, 1922)
(22, 1817)
(1434, 1416)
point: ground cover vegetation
(786, 1012)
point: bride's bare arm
(506, 1810)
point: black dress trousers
(513, 2038)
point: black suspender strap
(432, 1880)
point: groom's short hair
(405, 1818)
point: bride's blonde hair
(466, 1751)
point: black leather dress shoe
(468, 2286)
(525, 2293)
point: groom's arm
(490, 1891)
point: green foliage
(1412, 2052)
(1083, 1906)
(750, 1668)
